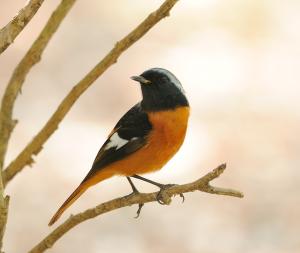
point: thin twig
(201, 184)
(35, 146)
(9, 32)
(14, 86)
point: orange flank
(164, 140)
(166, 137)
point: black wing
(129, 135)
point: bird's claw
(163, 198)
(139, 210)
(182, 196)
(136, 192)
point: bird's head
(161, 90)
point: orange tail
(87, 182)
(75, 195)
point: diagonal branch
(9, 32)
(32, 57)
(35, 146)
(201, 184)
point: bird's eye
(164, 79)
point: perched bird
(145, 138)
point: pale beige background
(239, 64)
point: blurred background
(239, 64)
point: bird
(145, 138)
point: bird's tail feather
(89, 180)
(70, 200)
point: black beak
(140, 79)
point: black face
(161, 90)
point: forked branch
(201, 184)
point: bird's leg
(135, 191)
(150, 181)
(162, 187)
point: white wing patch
(171, 77)
(115, 141)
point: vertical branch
(9, 32)
(4, 203)
(15, 84)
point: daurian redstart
(145, 138)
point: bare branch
(7, 35)
(3, 216)
(201, 184)
(14, 86)
(9, 32)
(34, 147)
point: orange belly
(166, 137)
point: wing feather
(129, 135)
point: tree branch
(7, 35)
(14, 86)
(3, 216)
(201, 184)
(9, 32)
(35, 146)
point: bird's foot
(135, 192)
(163, 198)
(139, 210)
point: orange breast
(166, 137)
